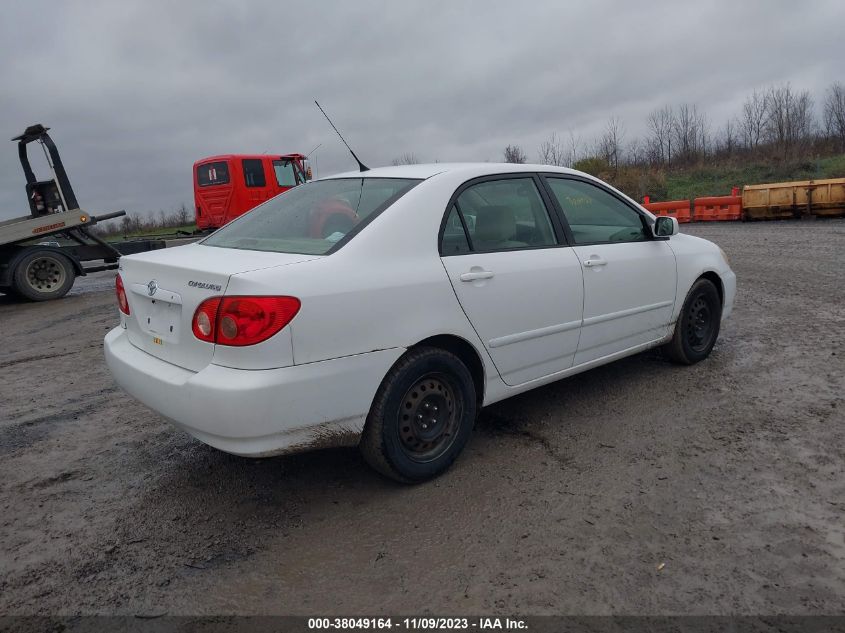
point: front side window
(311, 218)
(594, 215)
(285, 175)
(499, 215)
(213, 174)
(254, 172)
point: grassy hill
(717, 180)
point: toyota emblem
(152, 287)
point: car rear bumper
(255, 412)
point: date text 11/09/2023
(422, 623)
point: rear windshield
(213, 174)
(313, 218)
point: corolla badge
(152, 287)
(206, 285)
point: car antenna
(308, 155)
(361, 166)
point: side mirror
(665, 226)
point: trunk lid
(165, 287)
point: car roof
(470, 170)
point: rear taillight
(122, 302)
(205, 317)
(239, 321)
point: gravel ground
(635, 488)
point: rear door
(629, 277)
(518, 283)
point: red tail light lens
(122, 301)
(240, 321)
(205, 319)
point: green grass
(188, 228)
(717, 180)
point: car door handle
(595, 261)
(475, 276)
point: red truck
(229, 185)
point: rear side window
(498, 215)
(213, 174)
(594, 215)
(454, 240)
(254, 172)
(312, 218)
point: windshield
(312, 218)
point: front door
(520, 288)
(629, 277)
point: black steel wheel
(422, 416)
(429, 416)
(698, 324)
(43, 274)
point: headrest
(494, 223)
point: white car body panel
(175, 300)
(255, 413)
(540, 337)
(383, 292)
(629, 295)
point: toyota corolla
(445, 289)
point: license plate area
(159, 313)
(162, 320)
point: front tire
(422, 416)
(43, 274)
(698, 324)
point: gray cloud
(137, 91)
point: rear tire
(698, 324)
(422, 416)
(43, 274)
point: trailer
(37, 268)
(803, 198)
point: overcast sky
(137, 91)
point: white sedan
(384, 308)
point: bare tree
(790, 122)
(728, 139)
(610, 143)
(408, 158)
(551, 151)
(637, 153)
(661, 123)
(752, 123)
(514, 154)
(691, 132)
(573, 151)
(182, 215)
(834, 113)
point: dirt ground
(636, 488)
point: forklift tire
(43, 274)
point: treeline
(776, 124)
(134, 223)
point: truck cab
(229, 185)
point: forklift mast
(45, 196)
